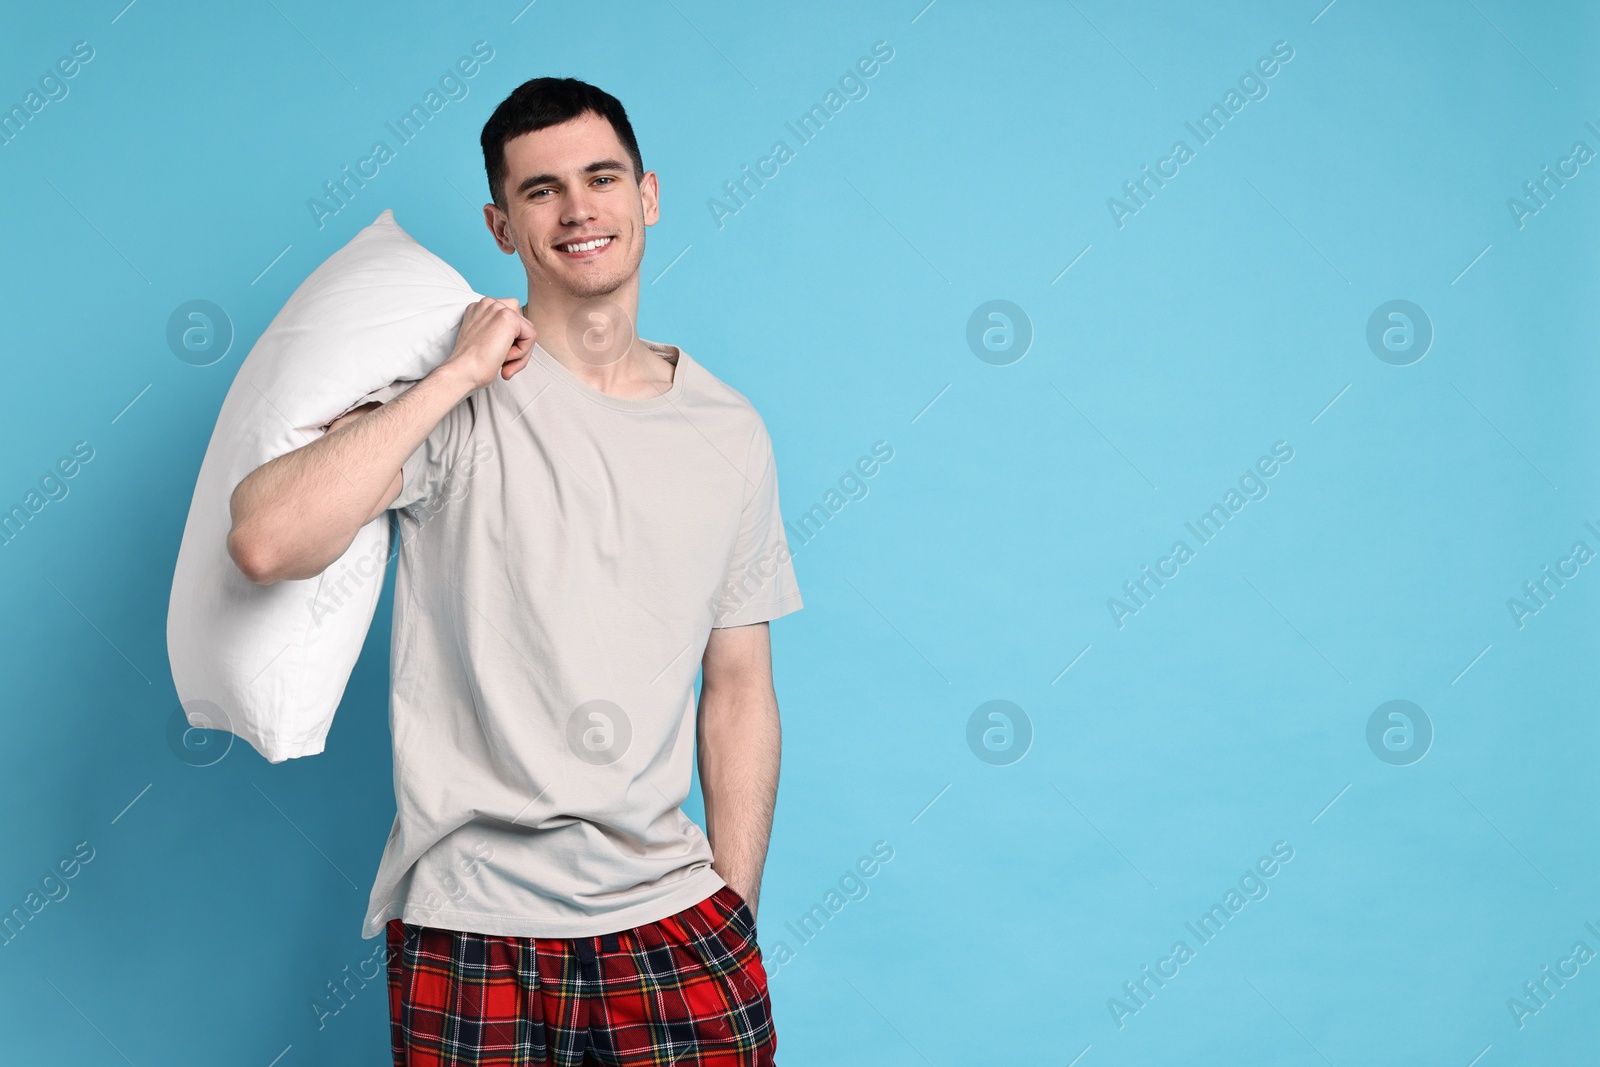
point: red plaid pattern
(687, 991)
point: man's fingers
(513, 335)
(525, 334)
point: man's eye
(604, 178)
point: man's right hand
(494, 339)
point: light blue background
(1228, 314)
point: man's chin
(588, 288)
(598, 287)
(586, 284)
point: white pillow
(270, 663)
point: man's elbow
(252, 559)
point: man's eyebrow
(545, 179)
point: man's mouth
(582, 249)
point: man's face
(573, 183)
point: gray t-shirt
(564, 556)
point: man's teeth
(587, 246)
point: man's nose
(578, 208)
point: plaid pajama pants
(689, 990)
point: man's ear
(500, 226)
(650, 193)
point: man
(584, 516)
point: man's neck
(597, 340)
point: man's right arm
(298, 513)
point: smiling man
(587, 518)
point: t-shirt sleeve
(760, 584)
(425, 475)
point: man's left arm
(739, 740)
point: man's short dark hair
(542, 102)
